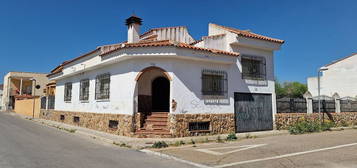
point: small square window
(76, 119)
(62, 117)
(113, 124)
(199, 126)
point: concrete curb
(165, 156)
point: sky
(38, 35)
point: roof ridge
(249, 34)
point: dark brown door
(160, 95)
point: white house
(163, 82)
(340, 77)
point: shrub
(305, 126)
(327, 125)
(160, 144)
(232, 137)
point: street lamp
(319, 88)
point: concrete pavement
(26, 144)
(328, 149)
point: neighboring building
(1, 93)
(163, 82)
(22, 84)
(340, 77)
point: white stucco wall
(184, 66)
(340, 78)
(185, 86)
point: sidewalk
(140, 143)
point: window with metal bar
(84, 90)
(253, 67)
(199, 126)
(68, 91)
(102, 86)
(214, 82)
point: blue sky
(37, 35)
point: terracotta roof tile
(195, 42)
(250, 34)
(171, 43)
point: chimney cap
(133, 19)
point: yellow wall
(24, 107)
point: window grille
(199, 126)
(51, 102)
(43, 102)
(214, 82)
(113, 123)
(253, 67)
(102, 86)
(76, 119)
(68, 91)
(84, 89)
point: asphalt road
(25, 144)
(336, 149)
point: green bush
(232, 137)
(305, 126)
(327, 125)
(160, 144)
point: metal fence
(326, 106)
(348, 105)
(291, 105)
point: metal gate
(253, 112)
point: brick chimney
(133, 23)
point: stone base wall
(284, 120)
(178, 123)
(219, 124)
(94, 121)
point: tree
(290, 89)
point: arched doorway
(153, 101)
(160, 91)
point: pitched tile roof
(163, 43)
(249, 34)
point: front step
(155, 125)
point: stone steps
(155, 125)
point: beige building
(22, 84)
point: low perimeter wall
(284, 120)
(94, 121)
(178, 124)
(26, 107)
